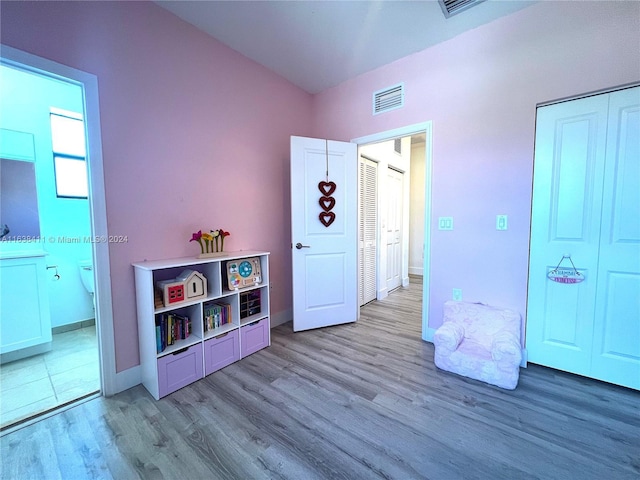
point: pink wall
(186, 123)
(184, 118)
(480, 90)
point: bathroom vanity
(25, 323)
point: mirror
(18, 200)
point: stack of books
(171, 327)
(216, 315)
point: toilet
(86, 275)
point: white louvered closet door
(368, 214)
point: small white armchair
(481, 342)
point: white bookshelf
(202, 352)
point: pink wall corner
(195, 136)
(481, 89)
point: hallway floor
(42, 382)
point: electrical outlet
(501, 222)
(457, 294)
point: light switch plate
(457, 294)
(445, 223)
(501, 222)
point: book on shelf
(159, 346)
(216, 315)
(170, 328)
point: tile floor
(36, 384)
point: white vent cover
(451, 7)
(388, 99)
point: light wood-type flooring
(358, 401)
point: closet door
(586, 214)
(367, 232)
(616, 338)
(565, 228)
(395, 196)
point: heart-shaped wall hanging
(327, 188)
(327, 218)
(327, 203)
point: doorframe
(427, 129)
(97, 203)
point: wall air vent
(388, 99)
(452, 7)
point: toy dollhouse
(189, 285)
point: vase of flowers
(211, 244)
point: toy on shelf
(243, 273)
(189, 285)
(211, 244)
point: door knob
(299, 246)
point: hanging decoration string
(327, 201)
(326, 151)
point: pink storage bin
(254, 337)
(179, 369)
(221, 351)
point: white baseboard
(127, 379)
(427, 335)
(416, 271)
(281, 317)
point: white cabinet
(25, 323)
(183, 341)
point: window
(69, 154)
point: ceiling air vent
(452, 7)
(388, 99)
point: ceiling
(319, 44)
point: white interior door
(324, 255)
(567, 199)
(586, 210)
(395, 182)
(616, 338)
(367, 229)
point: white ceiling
(319, 44)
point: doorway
(391, 214)
(417, 193)
(322, 156)
(101, 336)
